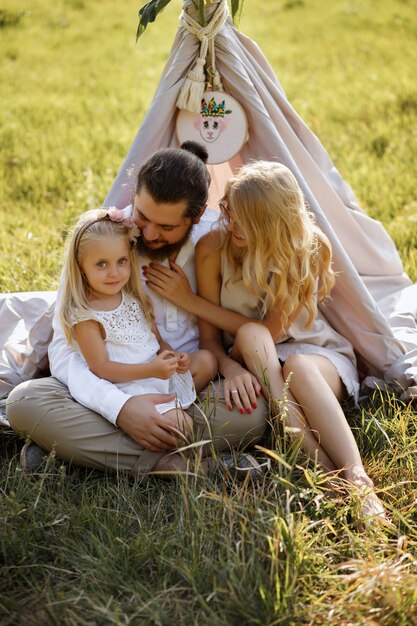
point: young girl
(267, 268)
(106, 313)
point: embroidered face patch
(221, 126)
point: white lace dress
(129, 339)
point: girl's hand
(169, 282)
(241, 388)
(164, 365)
(183, 361)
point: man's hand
(170, 283)
(140, 420)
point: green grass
(79, 547)
(82, 548)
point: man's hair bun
(196, 148)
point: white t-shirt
(176, 326)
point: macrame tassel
(194, 84)
(193, 88)
(216, 81)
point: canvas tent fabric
(374, 304)
(25, 333)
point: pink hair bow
(118, 215)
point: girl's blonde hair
(287, 259)
(92, 226)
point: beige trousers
(44, 410)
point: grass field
(80, 548)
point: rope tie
(194, 84)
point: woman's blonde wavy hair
(92, 226)
(287, 260)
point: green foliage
(236, 9)
(148, 13)
(75, 89)
(10, 18)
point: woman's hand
(164, 365)
(241, 388)
(169, 282)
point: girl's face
(106, 265)
(232, 228)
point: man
(88, 420)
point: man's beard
(166, 251)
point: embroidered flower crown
(212, 109)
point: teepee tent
(373, 303)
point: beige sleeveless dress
(320, 338)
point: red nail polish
(144, 267)
(254, 405)
(249, 411)
(229, 407)
(241, 411)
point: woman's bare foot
(370, 510)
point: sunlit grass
(79, 547)
(75, 88)
(82, 548)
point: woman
(260, 277)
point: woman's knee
(297, 366)
(249, 335)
